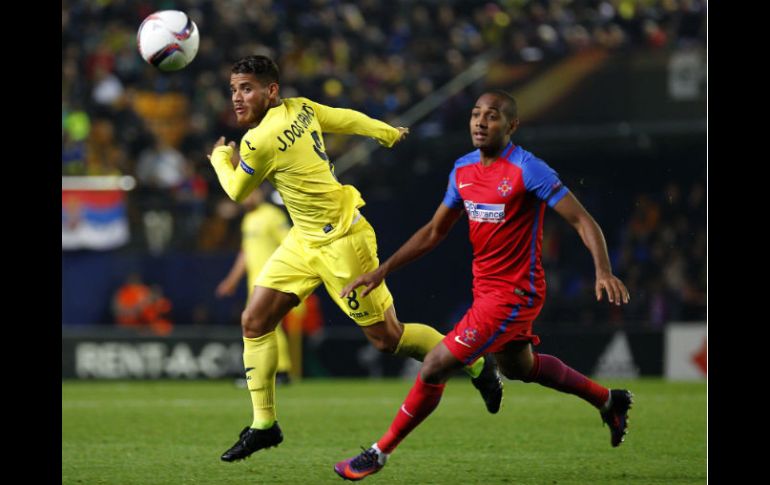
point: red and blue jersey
(505, 203)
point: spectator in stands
(142, 307)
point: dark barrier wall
(216, 353)
(90, 279)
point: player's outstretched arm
(573, 212)
(422, 241)
(235, 176)
(351, 122)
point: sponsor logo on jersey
(246, 168)
(358, 314)
(482, 212)
(504, 187)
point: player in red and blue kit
(504, 190)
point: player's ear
(272, 90)
(513, 126)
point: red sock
(552, 372)
(420, 402)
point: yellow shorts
(299, 269)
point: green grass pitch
(172, 432)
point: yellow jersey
(262, 231)
(288, 150)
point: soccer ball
(168, 40)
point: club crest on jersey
(481, 212)
(469, 335)
(504, 187)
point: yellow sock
(284, 359)
(260, 358)
(474, 370)
(418, 339)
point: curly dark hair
(264, 68)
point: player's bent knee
(384, 336)
(254, 325)
(385, 344)
(437, 368)
(430, 374)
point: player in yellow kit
(331, 242)
(262, 229)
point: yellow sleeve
(254, 165)
(352, 122)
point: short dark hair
(510, 109)
(264, 68)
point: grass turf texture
(173, 432)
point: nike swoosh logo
(465, 185)
(248, 369)
(407, 412)
(457, 339)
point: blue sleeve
(543, 181)
(452, 197)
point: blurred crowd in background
(659, 253)
(122, 117)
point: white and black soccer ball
(168, 40)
